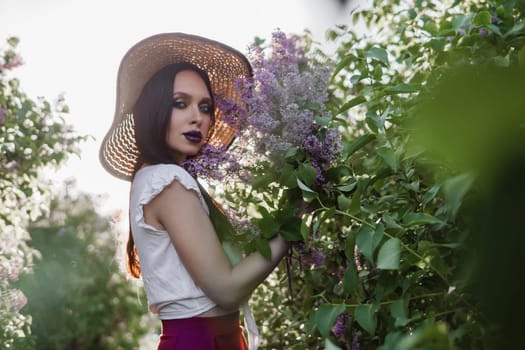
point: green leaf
(307, 173)
(262, 180)
(342, 64)
(390, 222)
(309, 326)
(343, 202)
(402, 88)
(378, 121)
(324, 121)
(353, 102)
(428, 333)
(483, 18)
(325, 317)
(313, 106)
(431, 193)
(288, 176)
(355, 206)
(268, 225)
(303, 187)
(264, 248)
(398, 311)
(377, 53)
(308, 193)
(495, 29)
(329, 345)
(350, 247)
(291, 152)
(413, 219)
(390, 158)
(327, 214)
(516, 29)
(388, 256)
(350, 278)
(455, 188)
(349, 186)
(365, 315)
(368, 239)
(359, 143)
(291, 229)
(355, 78)
(305, 226)
(461, 21)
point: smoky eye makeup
(179, 103)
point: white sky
(74, 47)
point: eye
(179, 103)
(206, 108)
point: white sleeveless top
(168, 285)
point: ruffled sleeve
(152, 180)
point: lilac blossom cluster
(285, 86)
(339, 327)
(275, 114)
(339, 330)
(211, 162)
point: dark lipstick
(193, 136)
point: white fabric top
(169, 287)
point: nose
(196, 115)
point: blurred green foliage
(33, 136)
(78, 297)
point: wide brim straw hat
(224, 65)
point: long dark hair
(152, 113)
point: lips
(193, 136)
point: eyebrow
(183, 94)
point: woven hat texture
(118, 152)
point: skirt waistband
(216, 325)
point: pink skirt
(203, 333)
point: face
(191, 116)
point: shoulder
(151, 180)
(165, 174)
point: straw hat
(118, 152)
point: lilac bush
(33, 136)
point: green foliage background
(419, 224)
(33, 136)
(78, 296)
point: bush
(78, 297)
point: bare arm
(178, 211)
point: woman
(165, 113)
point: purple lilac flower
(211, 162)
(495, 19)
(278, 96)
(235, 114)
(280, 86)
(319, 178)
(312, 145)
(340, 326)
(317, 257)
(331, 146)
(355, 340)
(2, 115)
(297, 124)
